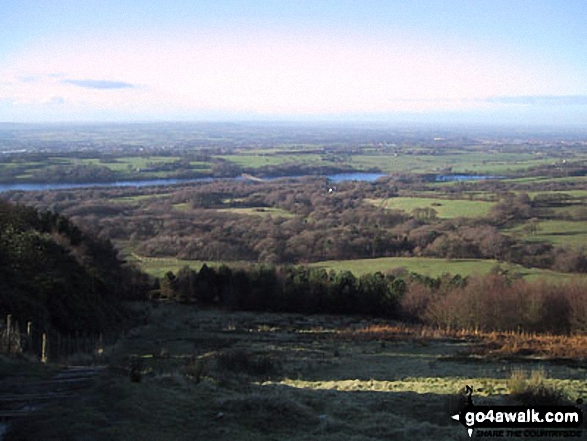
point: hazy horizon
(428, 62)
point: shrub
(415, 303)
(532, 390)
(494, 303)
(577, 300)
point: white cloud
(99, 84)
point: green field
(432, 267)
(575, 194)
(159, 266)
(557, 232)
(546, 179)
(416, 161)
(125, 163)
(478, 162)
(123, 166)
(259, 211)
(445, 208)
(435, 267)
(395, 164)
(257, 161)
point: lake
(338, 177)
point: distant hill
(57, 276)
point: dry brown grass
(488, 344)
(532, 389)
(538, 345)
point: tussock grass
(532, 389)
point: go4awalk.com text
(519, 421)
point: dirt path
(71, 382)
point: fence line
(48, 345)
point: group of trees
(286, 289)
(495, 302)
(55, 275)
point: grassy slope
(321, 386)
(259, 211)
(558, 232)
(436, 267)
(577, 194)
(422, 265)
(257, 161)
(157, 266)
(446, 208)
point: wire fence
(48, 345)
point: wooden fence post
(44, 349)
(29, 337)
(8, 336)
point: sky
(479, 61)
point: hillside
(54, 274)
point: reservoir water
(338, 177)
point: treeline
(286, 289)
(203, 222)
(495, 302)
(57, 276)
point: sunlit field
(217, 375)
(445, 208)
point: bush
(494, 303)
(532, 390)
